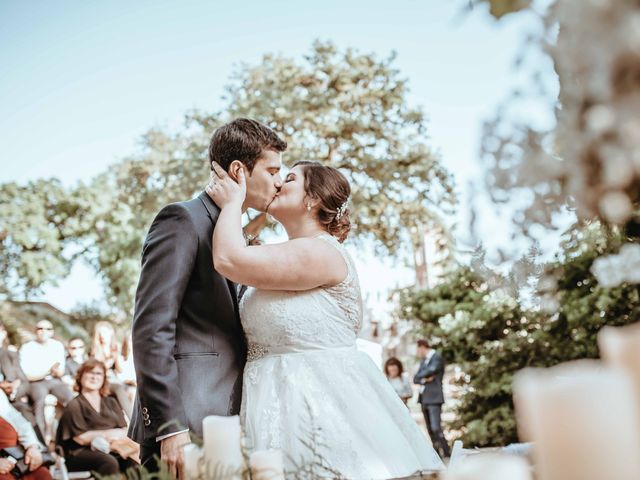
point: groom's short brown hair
(243, 139)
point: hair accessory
(342, 210)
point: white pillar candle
(620, 347)
(489, 466)
(222, 452)
(192, 458)
(267, 465)
(582, 419)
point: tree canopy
(340, 107)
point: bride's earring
(308, 207)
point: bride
(306, 390)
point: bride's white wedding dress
(305, 375)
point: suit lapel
(430, 359)
(213, 211)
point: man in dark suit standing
(188, 345)
(431, 398)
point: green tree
(350, 110)
(42, 231)
(500, 8)
(490, 336)
(346, 109)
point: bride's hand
(223, 190)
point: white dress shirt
(36, 359)
(427, 359)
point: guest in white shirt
(43, 361)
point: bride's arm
(299, 264)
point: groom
(188, 344)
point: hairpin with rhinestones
(342, 210)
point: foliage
(490, 336)
(85, 316)
(350, 110)
(42, 225)
(21, 318)
(346, 109)
(573, 149)
(500, 8)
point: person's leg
(38, 392)
(25, 410)
(148, 453)
(87, 459)
(61, 391)
(41, 473)
(427, 420)
(438, 438)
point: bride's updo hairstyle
(332, 190)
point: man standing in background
(429, 377)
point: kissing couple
(283, 356)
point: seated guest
(95, 419)
(398, 379)
(43, 362)
(13, 381)
(105, 347)
(128, 372)
(15, 430)
(76, 356)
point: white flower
(616, 207)
(629, 260)
(607, 272)
(600, 118)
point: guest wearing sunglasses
(76, 356)
(43, 361)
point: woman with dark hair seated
(92, 429)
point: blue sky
(81, 81)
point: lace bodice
(305, 383)
(293, 321)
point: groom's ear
(235, 166)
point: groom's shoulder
(178, 211)
(186, 207)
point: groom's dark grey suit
(188, 345)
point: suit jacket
(188, 345)
(432, 393)
(11, 370)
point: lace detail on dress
(347, 292)
(305, 374)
